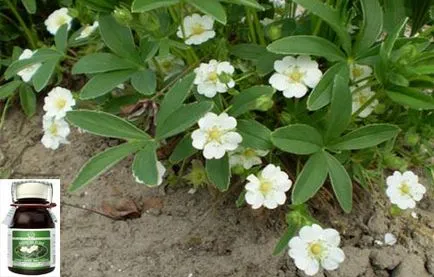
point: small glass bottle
(31, 234)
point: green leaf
(322, 93)
(104, 83)
(310, 179)
(255, 135)
(145, 165)
(183, 150)
(298, 139)
(30, 5)
(247, 99)
(144, 81)
(332, 17)
(175, 97)
(118, 38)
(27, 100)
(105, 124)
(102, 162)
(284, 240)
(101, 62)
(248, 51)
(40, 56)
(8, 89)
(423, 69)
(149, 5)
(247, 3)
(340, 109)
(307, 45)
(411, 97)
(44, 73)
(387, 46)
(219, 173)
(372, 25)
(394, 14)
(61, 38)
(182, 119)
(365, 137)
(210, 7)
(341, 183)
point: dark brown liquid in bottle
(32, 218)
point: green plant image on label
(31, 249)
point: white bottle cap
(32, 190)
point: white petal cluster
(29, 249)
(56, 19)
(216, 135)
(360, 98)
(58, 101)
(246, 157)
(56, 104)
(268, 188)
(161, 171)
(359, 72)
(27, 73)
(55, 132)
(315, 248)
(87, 31)
(295, 75)
(196, 29)
(404, 189)
(214, 77)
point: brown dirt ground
(201, 234)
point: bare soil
(203, 234)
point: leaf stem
(251, 26)
(5, 109)
(259, 29)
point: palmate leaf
(61, 38)
(255, 135)
(101, 62)
(247, 99)
(27, 100)
(372, 25)
(298, 139)
(104, 83)
(8, 89)
(183, 149)
(43, 75)
(144, 81)
(411, 97)
(145, 165)
(341, 182)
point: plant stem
(244, 76)
(5, 109)
(367, 85)
(251, 27)
(29, 34)
(259, 29)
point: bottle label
(31, 249)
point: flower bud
(380, 108)
(123, 16)
(264, 103)
(197, 176)
(412, 138)
(233, 91)
(275, 32)
(225, 77)
(237, 170)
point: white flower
(27, 73)
(58, 101)
(87, 31)
(55, 132)
(404, 189)
(278, 3)
(169, 65)
(359, 72)
(56, 19)
(268, 189)
(390, 239)
(360, 97)
(246, 157)
(294, 75)
(316, 248)
(216, 135)
(198, 29)
(161, 171)
(214, 77)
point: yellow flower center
(295, 76)
(213, 76)
(53, 129)
(316, 249)
(363, 99)
(61, 20)
(60, 103)
(405, 189)
(249, 153)
(357, 72)
(197, 29)
(265, 187)
(214, 134)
